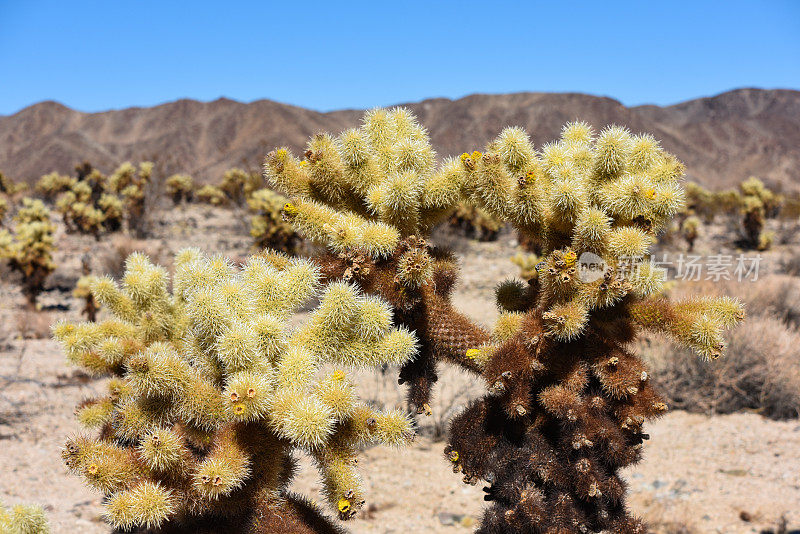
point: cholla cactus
(8, 187)
(23, 519)
(83, 290)
(50, 185)
(212, 393)
(180, 187)
(690, 230)
(238, 184)
(79, 212)
(3, 208)
(113, 211)
(567, 398)
(371, 195)
(474, 222)
(757, 203)
(131, 184)
(29, 249)
(211, 194)
(268, 227)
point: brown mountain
(722, 139)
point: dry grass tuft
(760, 372)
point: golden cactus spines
(561, 378)
(213, 392)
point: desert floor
(701, 473)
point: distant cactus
(8, 187)
(758, 203)
(50, 185)
(268, 227)
(113, 211)
(690, 230)
(474, 222)
(28, 249)
(4, 206)
(23, 519)
(132, 184)
(180, 187)
(239, 184)
(83, 290)
(212, 393)
(211, 194)
(79, 212)
(567, 399)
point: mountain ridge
(722, 139)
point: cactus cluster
(211, 194)
(28, 247)
(267, 226)
(567, 399)
(23, 519)
(757, 203)
(180, 188)
(474, 222)
(88, 203)
(212, 394)
(4, 207)
(131, 184)
(8, 187)
(51, 185)
(238, 184)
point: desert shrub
(790, 262)
(267, 227)
(761, 372)
(474, 222)
(50, 185)
(567, 399)
(23, 519)
(180, 187)
(212, 394)
(28, 248)
(213, 195)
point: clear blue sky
(101, 55)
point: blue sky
(95, 56)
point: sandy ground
(715, 474)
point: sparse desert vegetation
(708, 467)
